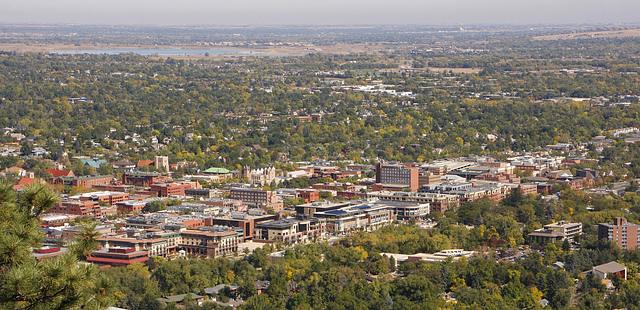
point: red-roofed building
(56, 173)
(143, 163)
(24, 183)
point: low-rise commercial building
(408, 211)
(143, 179)
(360, 217)
(610, 270)
(556, 232)
(437, 202)
(257, 197)
(104, 198)
(170, 189)
(210, 243)
(77, 207)
(308, 210)
(130, 206)
(115, 257)
(471, 191)
(82, 181)
(154, 246)
(308, 195)
(291, 231)
(454, 254)
(202, 193)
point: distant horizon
(313, 13)
(622, 24)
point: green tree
(26, 283)
(86, 241)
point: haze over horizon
(326, 12)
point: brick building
(291, 231)
(144, 179)
(79, 208)
(257, 197)
(104, 198)
(170, 189)
(334, 186)
(87, 181)
(308, 195)
(246, 224)
(154, 246)
(118, 256)
(130, 207)
(401, 174)
(209, 243)
(620, 232)
(438, 202)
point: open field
(621, 33)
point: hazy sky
(262, 12)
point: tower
(162, 163)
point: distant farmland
(620, 33)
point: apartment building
(620, 232)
